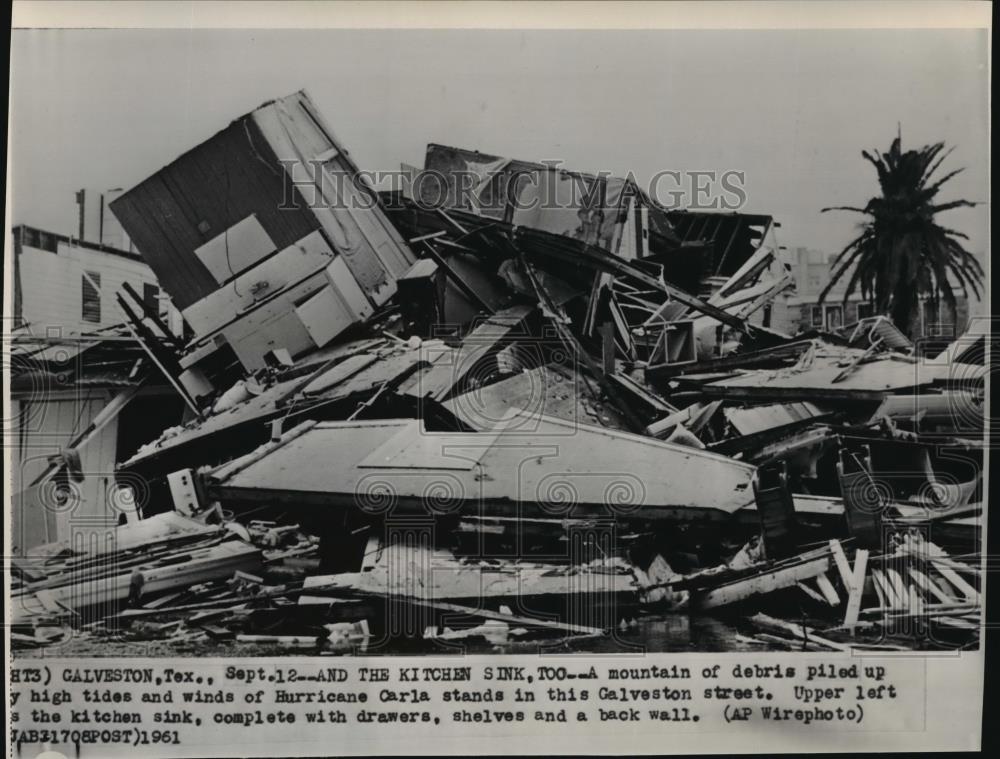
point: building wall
(939, 323)
(782, 315)
(812, 268)
(849, 313)
(52, 286)
(97, 223)
(44, 427)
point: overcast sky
(791, 109)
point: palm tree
(902, 252)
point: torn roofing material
(815, 379)
(599, 210)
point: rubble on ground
(480, 421)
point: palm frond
(902, 254)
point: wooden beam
(826, 588)
(930, 586)
(513, 619)
(842, 566)
(857, 589)
(887, 590)
(907, 598)
(970, 593)
(465, 288)
(764, 582)
(810, 592)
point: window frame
(90, 294)
(827, 310)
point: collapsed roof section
(599, 210)
(611, 213)
(41, 366)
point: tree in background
(902, 252)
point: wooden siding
(52, 291)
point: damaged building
(517, 402)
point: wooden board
(765, 582)
(846, 576)
(857, 589)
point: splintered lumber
(956, 565)
(960, 623)
(945, 566)
(930, 586)
(857, 589)
(857, 360)
(240, 601)
(810, 592)
(940, 560)
(846, 576)
(887, 590)
(882, 600)
(437, 575)
(955, 579)
(512, 619)
(910, 592)
(826, 588)
(160, 532)
(471, 583)
(535, 241)
(802, 633)
(763, 582)
(556, 318)
(929, 610)
(213, 563)
(289, 641)
(787, 643)
(899, 588)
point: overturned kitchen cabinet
(266, 235)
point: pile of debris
(511, 387)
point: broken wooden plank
(801, 632)
(857, 589)
(899, 588)
(826, 588)
(840, 559)
(287, 641)
(811, 593)
(955, 579)
(763, 582)
(930, 586)
(887, 591)
(514, 619)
